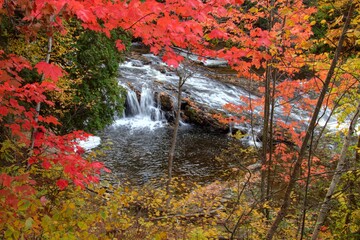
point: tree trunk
(357, 153)
(267, 103)
(173, 140)
(265, 133)
(307, 185)
(286, 201)
(38, 105)
(340, 168)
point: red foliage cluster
(160, 24)
(17, 115)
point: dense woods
(59, 64)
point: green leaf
(28, 223)
(82, 225)
(46, 221)
(8, 233)
(103, 214)
(24, 206)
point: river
(140, 140)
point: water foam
(145, 113)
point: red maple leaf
(5, 180)
(50, 70)
(264, 39)
(49, 119)
(172, 59)
(84, 15)
(239, 2)
(119, 45)
(4, 110)
(217, 34)
(62, 184)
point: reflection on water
(140, 154)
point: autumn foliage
(36, 161)
(271, 43)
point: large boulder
(203, 116)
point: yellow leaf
(71, 206)
(158, 200)
(253, 10)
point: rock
(160, 68)
(138, 56)
(137, 63)
(203, 116)
(166, 102)
(170, 117)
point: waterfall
(146, 102)
(159, 115)
(144, 112)
(148, 106)
(132, 104)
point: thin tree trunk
(267, 103)
(357, 153)
(173, 141)
(340, 168)
(286, 201)
(308, 178)
(265, 133)
(271, 143)
(38, 105)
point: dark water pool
(140, 154)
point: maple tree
(270, 41)
(27, 141)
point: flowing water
(140, 143)
(141, 138)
